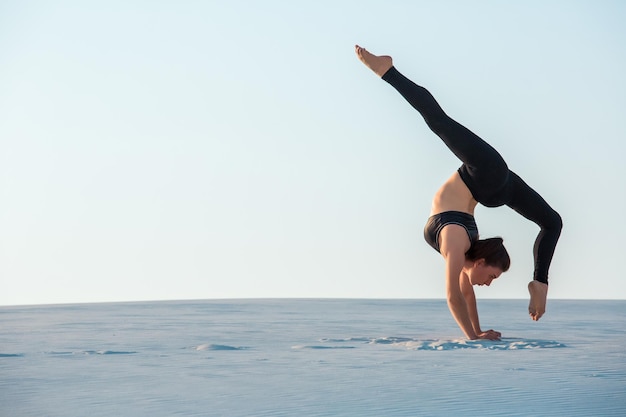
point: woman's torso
(453, 195)
(453, 204)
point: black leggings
(484, 171)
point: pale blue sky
(202, 149)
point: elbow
(454, 298)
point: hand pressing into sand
(490, 335)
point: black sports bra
(436, 223)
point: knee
(554, 222)
(438, 123)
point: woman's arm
(453, 243)
(470, 301)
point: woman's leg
(532, 206)
(529, 204)
(481, 160)
(486, 169)
(484, 164)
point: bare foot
(379, 64)
(538, 298)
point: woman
(451, 230)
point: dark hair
(492, 251)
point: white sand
(310, 358)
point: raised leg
(484, 164)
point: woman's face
(482, 274)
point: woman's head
(492, 250)
(489, 259)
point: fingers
(490, 335)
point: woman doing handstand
(451, 230)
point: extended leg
(484, 164)
(483, 161)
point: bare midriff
(453, 195)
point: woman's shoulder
(454, 240)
